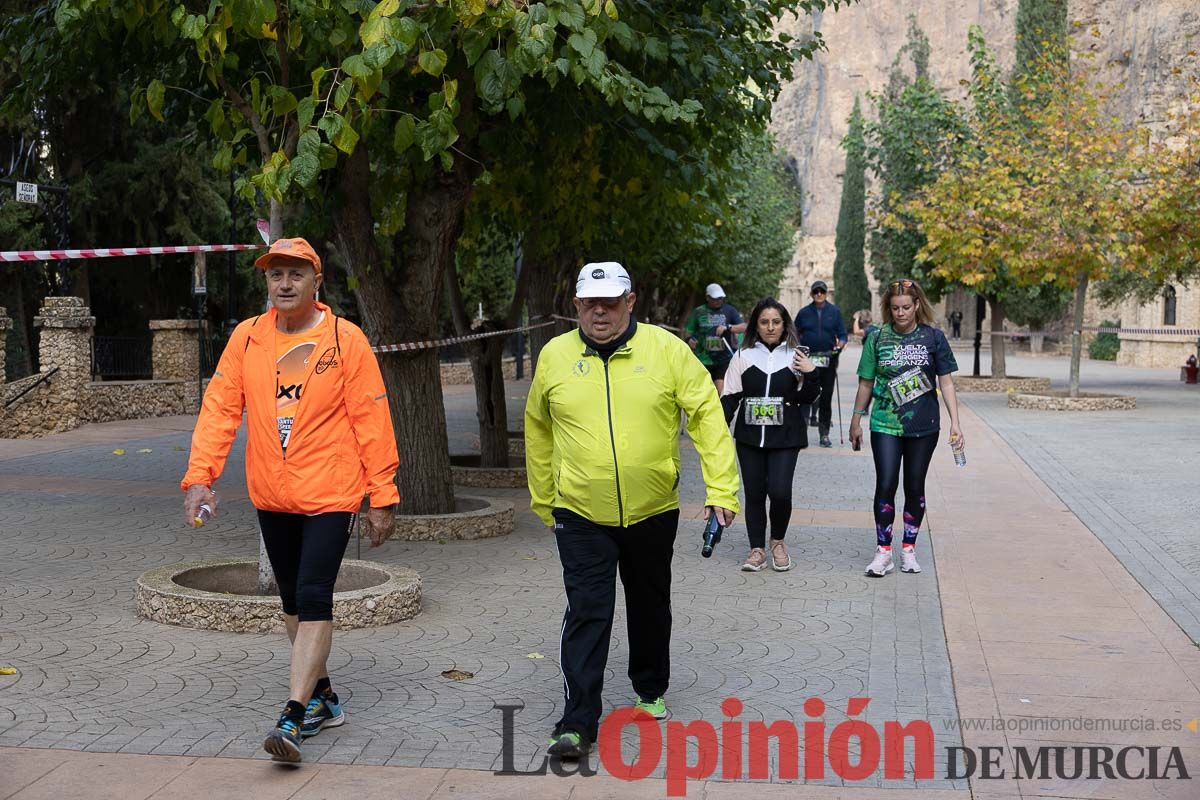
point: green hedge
(1106, 345)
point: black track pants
(591, 556)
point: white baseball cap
(714, 291)
(603, 279)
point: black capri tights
(767, 473)
(889, 453)
(306, 554)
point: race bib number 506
(764, 411)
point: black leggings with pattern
(890, 452)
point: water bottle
(203, 515)
(712, 535)
(959, 448)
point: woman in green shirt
(903, 364)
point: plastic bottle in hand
(712, 534)
(959, 448)
(203, 515)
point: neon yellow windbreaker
(603, 440)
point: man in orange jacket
(319, 437)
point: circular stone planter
(969, 383)
(474, 518)
(1059, 401)
(222, 595)
(467, 472)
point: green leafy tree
(915, 136)
(849, 264)
(392, 112)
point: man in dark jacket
(823, 331)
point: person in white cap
(602, 455)
(709, 332)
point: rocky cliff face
(1143, 44)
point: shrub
(1106, 345)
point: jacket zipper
(613, 441)
(762, 441)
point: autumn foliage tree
(1061, 194)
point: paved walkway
(1034, 619)
(1130, 476)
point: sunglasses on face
(819, 291)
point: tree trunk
(545, 295)
(400, 302)
(1077, 334)
(1037, 343)
(999, 365)
(487, 370)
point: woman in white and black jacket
(765, 380)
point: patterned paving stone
(94, 677)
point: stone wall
(175, 350)
(114, 400)
(69, 398)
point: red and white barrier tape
(409, 346)
(114, 252)
(574, 321)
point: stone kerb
(465, 470)
(473, 518)
(219, 595)
(1057, 401)
(985, 383)
(175, 349)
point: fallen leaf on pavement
(118, 452)
(145, 450)
(535, 655)
(8, 670)
(457, 674)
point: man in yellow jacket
(602, 454)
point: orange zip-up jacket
(342, 445)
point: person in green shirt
(709, 331)
(902, 367)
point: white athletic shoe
(882, 563)
(908, 560)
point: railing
(40, 380)
(211, 348)
(122, 358)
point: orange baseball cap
(290, 248)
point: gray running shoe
(908, 560)
(882, 563)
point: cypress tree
(1041, 41)
(849, 265)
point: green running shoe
(569, 746)
(655, 708)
